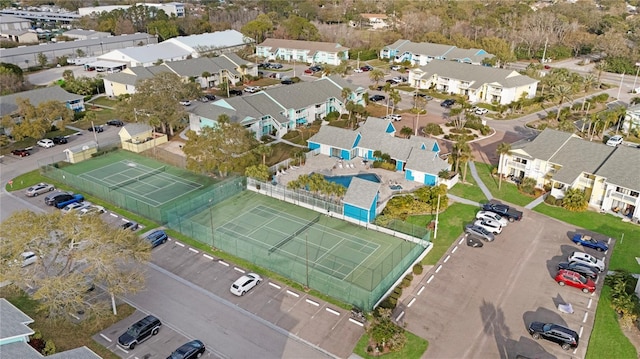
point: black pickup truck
(505, 211)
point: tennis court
(335, 253)
(152, 186)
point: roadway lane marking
(224, 263)
(430, 279)
(584, 319)
(438, 269)
(411, 302)
(356, 322)
(106, 338)
(194, 250)
(312, 302)
(238, 269)
(207, 256)
(180, 244)
(274, 285)
(400, 316)
(446, 259)
(293, 293)
(589, 304)
(332, 311)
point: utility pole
(544, 53)
(358, 63)
(435, 231)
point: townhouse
(609, 176)
(17, 29)
(275, 111)
(310, 52)
(477, 83)
(9, 103)
(424, 52)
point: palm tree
(264, 151)
(459, 148)
(376, 75)
(588, 82)
(502, 150)
(466, 155)
(394, 96)
(562, 92)
(205, 75)
(406, 131)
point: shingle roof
(622, 168)
(303, 94)
(134, 129)
(240, 109)
(577, 156)
(8, 103)
(544, 145)
(335, 137)
(426, 161)
(475, 75)
(82, 147)
(14, 321)
(312, 46)
(361, 193)
(8, 19)
(448, 52)
(196, 66)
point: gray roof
(9, 105)
(375, 125)
(303, 94)
(8, 19)
(448, 52)
(90, 34)
(196, 66)
(622, 168)
(14, 322)
(544, 145)
(82, 147)
(426, 161)
(235, 59)
(335, 137)
(242, 109)
(361, 193)
(139, 73)
(577, 156)
(475, 75)
(23, 350)
(344, 83)
(77, 353)
(135, 129)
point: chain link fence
(298, 197)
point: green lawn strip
(66, 335)
(415, 347)
(450, 226)
(607, 339)
(469, 190)
(626, 248)
(508, 191)
(104, 101)
(280, 152)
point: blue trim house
(361, 200)
(417, 157)
(424, 52)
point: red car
(21, 152)
(308, 71)
(573, 279)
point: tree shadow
(543, 315)
(526, 348)
(494, 324)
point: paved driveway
(477, 302)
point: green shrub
(387, 166)
(389, 303)
(528, 186)
(332, 116)
(551, 200)
(397, 293)
(418, 269)
(405, 282)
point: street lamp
(358, 63)
(636, 79)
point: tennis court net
(137, 178)
(295, 234)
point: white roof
(218, 39)
(104, 63)
(149, 53)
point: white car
(492, 216)
(491, 226)
(252, 89)
(245, 283)
(74, 207)
(91, 209)
(28, 258)
(481, 111)
(358, 70)
(393, 117)
(396, 67)
(397, 79)
(185, 102)
(587, 259)
(46, 143)
(613, 141)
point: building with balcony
(609, 176)
(309, 52)
(170, 8)
(9, 103)
(424, 52)
(476, 83)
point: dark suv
(566, 337)
(50, 200)
(139, 332)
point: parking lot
(478, 302)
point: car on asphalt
(358, 70)
(398, 79)
(185, 102)
(27, 258)
(481, 111)
(92, 209)
(567, 338)
(392, 82)
(59, 140)
(425, 96)
(48, 200)
(366, 68)
(72, 207)
(45, 143)
(287, 81)
(474, 242)
(235, 92)
(395, 67)
(275, 65)
(190, 350)
(157, 238)
(140, 331)
(587, 259)
(210, 97)
(447, 103)
(376, 98)
(613, 141)
(116, 123)
(38, 189)
(96, 129)
(478, 232)
(587, 241)
(491, 226)
(252, 89)
(21, 152)
(492, 216)
(511, 214)
(585, 270)
(245, 283)
(574, 279)
(393, 117)
(130, 225)
(62, 201)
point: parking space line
(430, 279)
(446, 259)
(400, 316)
(194, 250)
(438, 269)
(420, 290)
(332, 311)
(411, 302)
(180, 244)
(224, 263)
(461, 240)
(584, 319)
(207, 256)
(106, 338)
(238, 269)
(119, 347)
(274, 285)
(356, 322)
(312, 302)
(113, 215)
(454, 250)
(589, 304)
(293, 293)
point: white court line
(113, 215)
(238, 269)
(411, 302)
(106, 338)
(332, 311)
(293, 293)
(194, 250)
(312, 302)
(207, 256)
(430, 279)
(274, 285)
(420, 291)
(180, 244)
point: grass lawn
(508, 191)
(627, 235)
(281, 151)
(104, 101)
(607, 339)
(413, 349)
(451, 225)
(66, 335)
(469, 190)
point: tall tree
(299, 28)
(258, 29)
(376, 75)
(264, 151)
(395, 97)
(562, 93)
(73, 253)
(502, 150)
(406, 131)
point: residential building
(9, 105)
(27, 56)
(609, 176)
(15, 333)
(170, 8)
(417, 157)
(17, 29)
(226, 67)
(477, 83)
(632, 119)
(79, 34)
(424, 52)
(310, 52)
(277, 110)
